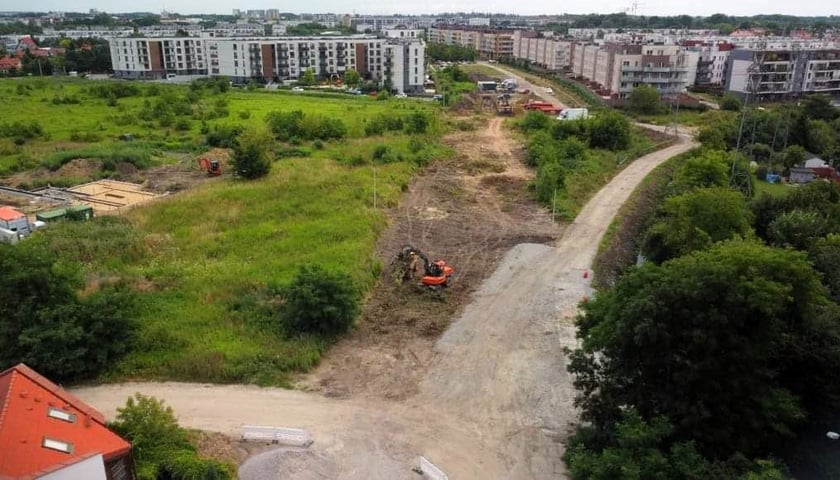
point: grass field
(208, 262)
(93, 123)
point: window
(61, 415)
(57, 445)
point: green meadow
(209, 263)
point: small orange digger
(212, 167)
(437, 274)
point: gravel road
(495, 403)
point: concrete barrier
(285, 436)
(430, 470)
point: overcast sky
(646, 7)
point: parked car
(400, 95)
(549, 90)
(524, 91)
(297, 89)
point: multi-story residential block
(711, 61)
(489, 44)
(397, 63)
(549, 53)
(773, 73)
(617, 69)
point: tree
(352, 77)
(709, 169)
(47, 325)
(822, 139)
(734, 345)
(697, 219)
(793, 155)
(251, 154)
(819, 107)
(639, 452)
(308, 77)
(644, 100)
(609, 130)
(161, 448)
(730, 102)
(320, 302)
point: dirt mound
(79, 168)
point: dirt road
(493, 401)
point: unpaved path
(536, 90)
(495, 401)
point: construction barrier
(294, 437)
(430, 470)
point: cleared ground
(490, 399)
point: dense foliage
(161, 448)
(320, 302)
(644, 100)
(251, 154)
(296, 125)
(46, 323)
(723, 346)
(450, 53)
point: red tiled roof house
(47, 433)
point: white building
(478, 22)
(395, 62)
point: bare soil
(173, 177)
(491, 398)
(468, 210)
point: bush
(161, 448)
(730, 102)
(224, 136)
(47, 325)
(610, 131)
(245, 115)
(251, 159)
(417, 123)
(182, 124)
(19, 129)
(320, 302)
(295, 124)
(644, 99)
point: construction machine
(437, 274)
(503, 106)
(212, 167)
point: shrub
(244, 114)
(296, 124)
(320, 302)
(610, 131)
(416, 123)
(161, 448)
(223, 136)
(182, 124)
(47, 325)
(534, 121)
(644, 99)
(21, 130)
(251, 159)
(730, 102)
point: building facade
(489, 44)
(394, 62)
(777, 73)
(549, 53)
(617, 69)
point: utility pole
(374, 188)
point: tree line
(710, 358)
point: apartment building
(617, 69)
(395, 62)
(778, 72)
(548, 53)
(711, 61)
(489, 44)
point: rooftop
(43, 426)
(8, 214)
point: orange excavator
(212, 167)
(437, 274)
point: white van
(573, 114)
